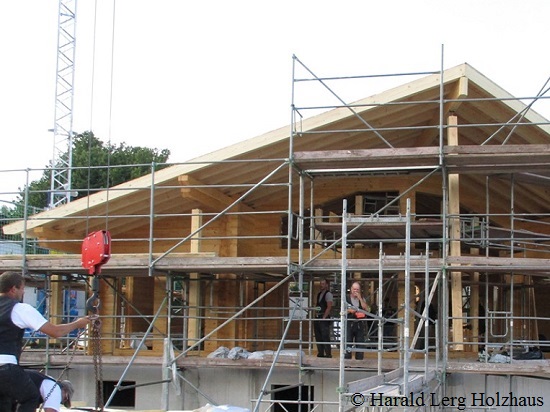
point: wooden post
(56, 306)
(532, 310)
(359, 205)
(317, 234)
(224, 292)
(454, 210)
(108, 320)
(474, 304)
(401, 310)
(159, 293)
(193, 330)
(56, 303)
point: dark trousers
(6, 404)
(15, 384)
(355, 338)
(321, 327)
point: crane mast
(60, 188)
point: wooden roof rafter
(475, 200)
(235, 188)
(230, 172)
(536, 195)
(429, 136)
(497, 120)
(395, 121)
(540, 179)
(211, 199)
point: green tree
(95, 167)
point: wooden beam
(193, 327)
(108, 321)
(460, 91)
(487, 159)
(428, 137)
(210, 199)
(159, 293)
(475, 303)
(317, 234)
(454, 211)
(56, 302)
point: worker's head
(355, 288)
(67, 391)
(12, 284)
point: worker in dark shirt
(323, 322)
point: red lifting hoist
(96, 251)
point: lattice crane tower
(60, 189)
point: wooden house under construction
(433, 194)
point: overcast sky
(195, 76)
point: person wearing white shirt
(15, 317)
(53, 393)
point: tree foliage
(96, 166)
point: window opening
(123, 397)
(292, 395)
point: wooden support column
(317, 234)
(532, 310)
(359, 205)
(193, 330)
(232, 289)
(225, 292)
(454, 210)
(161, 323)
(474, 305)
(107, 314)
(359, 210)
(401, 302)
(56, 302)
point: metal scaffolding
(406, 260)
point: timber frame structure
(430, 194)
